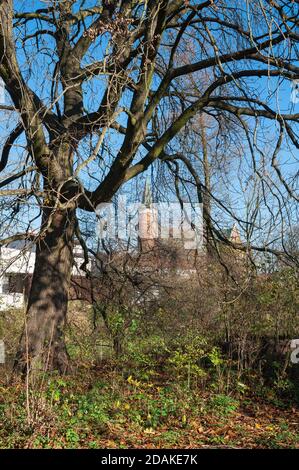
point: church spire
(147, 194)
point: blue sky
(278, 97)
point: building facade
(16, 268)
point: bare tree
(97, 89)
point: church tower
(148, 221)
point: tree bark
(42, 345)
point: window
(13, 284)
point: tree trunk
(42, 345)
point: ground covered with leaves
(104, 408)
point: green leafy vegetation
(104, 409)
(172, 382)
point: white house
(16, 263)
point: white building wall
(14, 260)
(8, 301)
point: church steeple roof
(147, 199)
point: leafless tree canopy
(101, 90)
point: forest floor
(102, 408)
